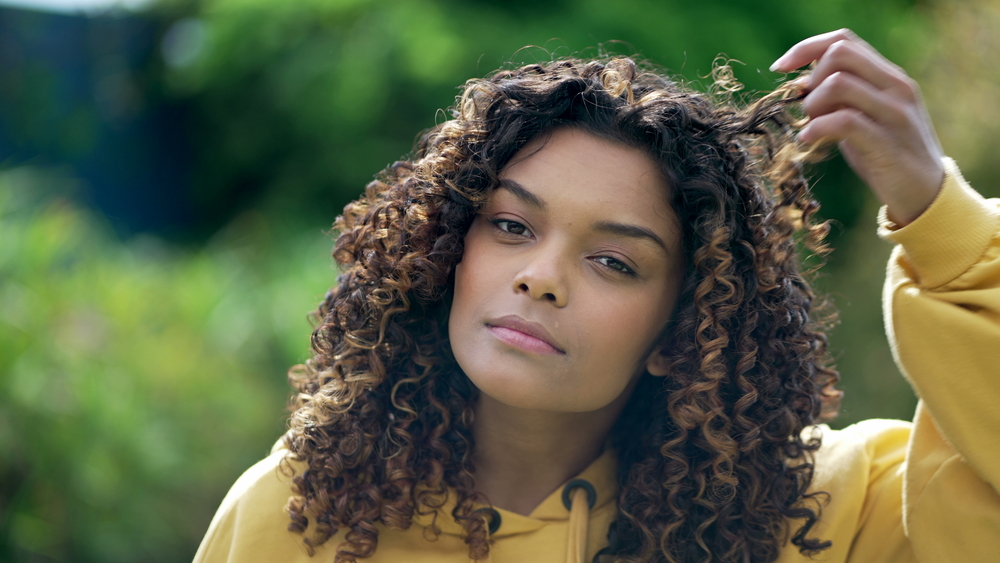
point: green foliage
(300, 103)
(137, 380)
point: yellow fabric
(922, 491)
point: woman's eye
(512, 227)
(614, 264)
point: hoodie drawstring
(579, 496)
(493, 520)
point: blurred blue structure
(80, 91)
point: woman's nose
(544, 279)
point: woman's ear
(657, 363)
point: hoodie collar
(601, 473)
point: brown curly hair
(714, 462)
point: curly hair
(715, 461)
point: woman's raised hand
(874, 111)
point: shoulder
(858, 474)
(251, 523)
(874, 437)
(860, 468)
(860, 453)
(269, 478)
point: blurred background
(169, 171)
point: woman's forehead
(573, 166)
(592, 184)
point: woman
(573, 327)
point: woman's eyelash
(510, 225)
(618, 266)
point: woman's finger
(861, 60)
(847, 124)
(845, 90)
(810, 49)
(815, 49)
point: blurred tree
(961, 83)
(135, 380)
(297, 105)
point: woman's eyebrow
(630, 231)
(606, 227)
(522, 193)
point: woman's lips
(523, 334)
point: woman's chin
(529, 394)
(516, 392)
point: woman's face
(569, 274)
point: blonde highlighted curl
(714, 465)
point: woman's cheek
(624, 328)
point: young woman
(573, 327)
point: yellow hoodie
(922, 491)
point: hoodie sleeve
(942, 315)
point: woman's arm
(942, 292)
(942, 315)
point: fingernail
(776, 64)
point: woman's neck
(522, 456)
